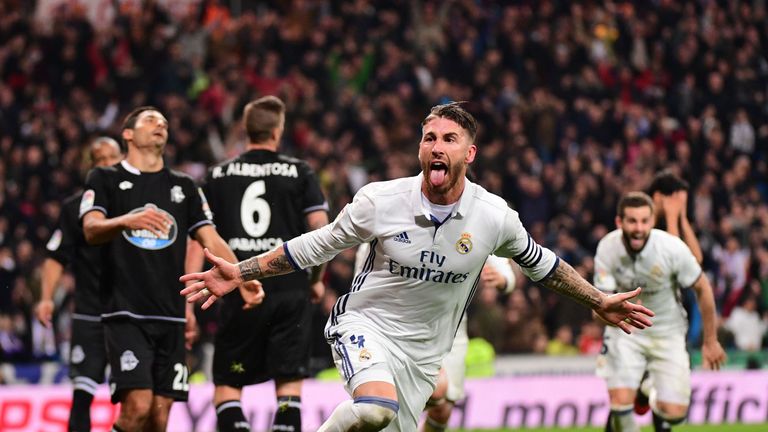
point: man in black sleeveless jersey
(143, 212)
(259, 200)
(87, 356)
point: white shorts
(625, 357)
(363, 355)
(455, 365)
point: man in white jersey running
(634, 255)
(429, 236)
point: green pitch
(684, 428)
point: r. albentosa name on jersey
(256, 170)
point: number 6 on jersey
(254, 211)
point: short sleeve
(313, 198)
(96, 196)
(62, 243)
(199, 211)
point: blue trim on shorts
(342, 350)
(382, 402)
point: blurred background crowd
(578, 101)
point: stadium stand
(578, 102)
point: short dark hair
(633, 200)
(666, 182)
(454, 111)
(130, 121)
(262, 116)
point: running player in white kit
(637, 255)
(429, 237)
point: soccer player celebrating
(634, 255)
(259, 199)
(429, 236)
(87, 356)
(142, 212)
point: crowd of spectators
(578, 101)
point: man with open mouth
(429, 237)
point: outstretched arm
(224, 276)
(615, 309)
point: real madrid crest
(365, 355)
(464, 245)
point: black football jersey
(141, 271)
(260, 200)
(67, 246)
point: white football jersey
(662, 268)
(415, 283)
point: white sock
(623, 419)
(365, 414)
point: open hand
(617, 310)
(221, 279)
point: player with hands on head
(429, 237)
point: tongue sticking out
(437, 177)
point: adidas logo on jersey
(403, 238)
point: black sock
(608, 424)
(661, 425)
(230, 417)
(80, 413)
(288, 414)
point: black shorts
(88, 354)
(269, 341)
(147, 355)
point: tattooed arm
(224, 276)
(614, 309)
(268, 264)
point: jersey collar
(130, 168)
(461, 210)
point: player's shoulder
(105, 171)
(284, 158)
(73, 200)
(225, 162)
(387, 189)
(611, 241)
(665, 240)
(487, 199)
(180, 177)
